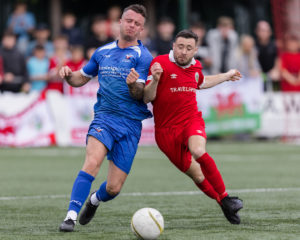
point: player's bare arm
(213, 80)
(136, 89)
(150, 89)
(75, 79)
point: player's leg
(95, 154)
(195, 173)
(121, 157)
(108, 190)
(170, 143)
(197, 147)
(229, 205)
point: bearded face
(184, 50)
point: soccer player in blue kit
(122, 67)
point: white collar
(172, 59)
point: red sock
(207, 188)
(212, 174)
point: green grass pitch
(36, 183)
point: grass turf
(264, 175)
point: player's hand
(65, 72)
(132, 77)
(234, 75)
(156, 71)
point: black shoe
(230, 207)
(88, 212)
(67, 226)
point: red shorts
(173, 141)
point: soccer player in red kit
(179, 127)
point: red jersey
(68, 90)
(175, 101)
(56, 83)
(290, 62)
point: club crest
(197, 77)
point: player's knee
(199, 178)
(113, 189)
(92, 163)
(197, 152)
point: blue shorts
(120, 135)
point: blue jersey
(112, 65)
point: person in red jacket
(75, 63)
(290, 65)
(179, 127)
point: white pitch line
(141, 194)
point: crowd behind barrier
(30, 60)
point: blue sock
(103, 195)
(81, 189)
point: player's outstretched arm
(151, 88)
(213, 80)
(75, 79)
(136, 89)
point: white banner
(80, 108)
(231, 106)
(55, 119)
(281, 115)
(31, 126)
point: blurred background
(258, 37)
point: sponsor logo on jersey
(199, 131)
(183, 89)
(107, 56)
(173, 75)
(127, 58)
(197, 76)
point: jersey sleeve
(90, 70)
(142, 67)
(201, 79)
(149, 77)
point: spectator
(222, 42)
(145, 38)
(99, 35)
(21, 23)
(70, 30)
(290, 65)
(246, 58)
(1, 70)
(113, 18)
(90, 52)
(202, 53)
(267, 52)
(76, 62)
(115, 30)
(41, 37)
(38, 66)
(15, 77)
(59, 59)
(162, 44)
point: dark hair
(164, 20)
(39, 47)
(198, 25)
(138, 8)
(9, 33)
(187, 34)
(99, 18)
